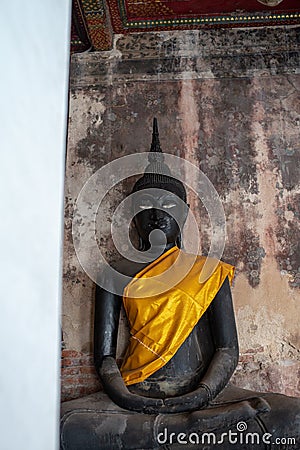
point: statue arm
(224, 360)
(224, 333)
(106, 323)
(107, 313)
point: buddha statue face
(159, 209)
(159, 202)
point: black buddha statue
(173, 388)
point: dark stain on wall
(227, 155)
(288, 238)
(282, 120)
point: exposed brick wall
(78, 375)
(254, 371)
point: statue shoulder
(127, 267)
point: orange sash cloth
(160, 323)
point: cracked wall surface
(228, 101)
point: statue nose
(157, 216)
(154, 216)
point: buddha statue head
(161, 201)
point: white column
(34, 52)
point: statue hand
(134, 402)
(189, 402)
(115, 387)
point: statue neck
(158, 249)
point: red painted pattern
(135, 9)
(154, 15)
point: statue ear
(179, 241)
(186, 211)
(179, 237)
(142, 246)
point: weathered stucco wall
(228, 101)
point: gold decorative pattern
(150, 8)
(213, 20)
(98, 24)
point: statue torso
(183, 372)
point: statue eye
(168, 205)
(146, 205)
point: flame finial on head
(155, 144)
(155, 155)
(157, 173)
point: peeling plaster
(190, 127)
(228, 101)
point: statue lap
(94, 422)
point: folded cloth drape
(163, 303)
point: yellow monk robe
(160, 323)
